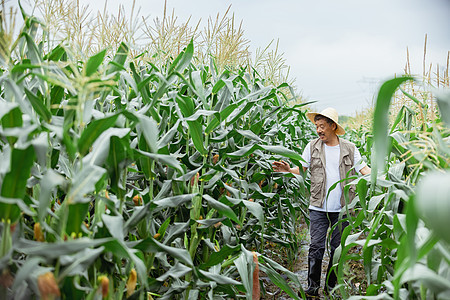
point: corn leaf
(380, 125)
(93, 131)
(118, 62)
(84, 183)
(15, 181)
(94, 62)
(38, 105)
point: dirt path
(301, 270)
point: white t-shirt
(332, 154)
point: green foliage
(398, 229)
(107, 166)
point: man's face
(325, 131)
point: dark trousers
(319, 224)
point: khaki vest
(317, 169)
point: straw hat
(330, 113)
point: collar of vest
(319, 144)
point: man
(329, 159)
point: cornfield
(123, 177)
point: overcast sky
(339, 51)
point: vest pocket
(316, 162)
(317, 178)
(347, 161)
(316, 182)
(317, 186)
(347, 165)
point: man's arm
(357, 158)
(366, 170)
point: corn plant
(124, 179)
(398, 227)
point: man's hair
(321, 117)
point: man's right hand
(281, 166)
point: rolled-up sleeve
(306, 156)
(358, 161)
